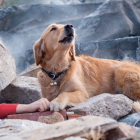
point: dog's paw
(55, 105)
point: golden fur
(85, 77)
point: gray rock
(106, 105)
(136, 136)
(85, 127)
(10, 127)
(111, 20)
(7, 67)
(31, 71)
(2, 100)
(132, 119)
(23, 90)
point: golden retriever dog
(67, 80)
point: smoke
(22, 26)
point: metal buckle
(53, 76)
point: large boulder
(106, 105)
(2, 100)
(127, 48)
(21, 26)
(23, 90)
(7, 67)
(132, 119)
(112, 19)
(31, 71)
(89, 127)
(9, 127)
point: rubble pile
(105, 29)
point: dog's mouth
(69, 37)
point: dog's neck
(58, 62)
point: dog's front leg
(67, 99)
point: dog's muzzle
(69, 31)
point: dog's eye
(54, 28)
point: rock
(106, 105)
(23, 90)
(126, 129)
(31, 71)
(19, 28)
(34, 116)
(120, 16)
(122, 49)
(7, 67)
(132, 119)
(2, 100)
(88, 127)
(10, 127)
(57, 2)
(136, 136)
(29, 58)
(74, 138)
(54, 118)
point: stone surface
(107, 105)
(74, 138)
(112, 19)
(34, 116)
(2, 100)
(21, 26)
(7, 67)
(136, 136)
(85, 127)
(31, 71)
(126, 129)
(50, 119)
(121, 49)
(10, 127)
(23, 90)
(132, 119)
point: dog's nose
(68, 26)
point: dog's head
(57, 38)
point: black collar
(52, 75)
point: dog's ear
(39, 51)
(72, 52)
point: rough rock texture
(107, 105)
(112, 19)
(85, 127)
(74, 138)
(31, 71)
(121, 49)
(34, 116)
(126, 129)
(2, 100)
(54, 118)
(7, 67)
(134, 137)
(10, 127)
(22, 90)
(132, 119)
(21, 26)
